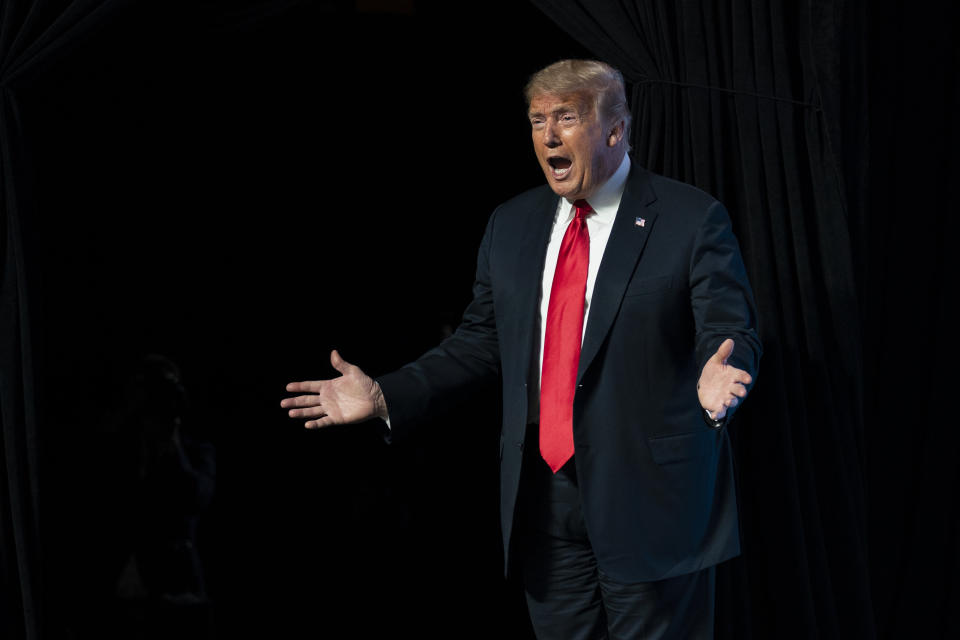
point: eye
(568, 118)
(537, 123)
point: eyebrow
(564, 108)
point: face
(576, 150)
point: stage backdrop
(239, 187)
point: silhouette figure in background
(170, 470)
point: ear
(616, 133)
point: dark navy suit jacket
(656, 481)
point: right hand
(353, 397)
(722, 386)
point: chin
(561, 189)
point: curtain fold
(19, 520)
(32, 34)
(731, 99)
(37, 39)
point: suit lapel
(529, 274)
(627, 240)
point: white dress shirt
(605, 203)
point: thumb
(726, 348)
(337, 362)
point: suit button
(579, 386)
(520, 445)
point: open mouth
(559, 166)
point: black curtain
(33, 35)
(744, 101)
(197, 134)
(77, 82)
(906, 243)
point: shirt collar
(606, 200)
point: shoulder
(680, 206)
(529, 202)
(673, 193)
(522, 212)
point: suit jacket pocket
(684, 446)
(644, 286)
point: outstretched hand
(352, 397)
(722, 386)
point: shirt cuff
(714, 424)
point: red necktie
(561, 343)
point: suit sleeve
(721, 297)
(444, 376)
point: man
(619, 317)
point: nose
(550, 137)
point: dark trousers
(570, 598)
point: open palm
(352, 397)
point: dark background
(244, 187)
(242, 196)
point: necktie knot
(583, 208)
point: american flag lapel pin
(640, 222)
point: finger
(726, 348)
(739, 390)
(339, 363)
(319, 423)
(731, 402)
(741, 376)
(309, 412)
(719, 413)
(306, 385)
(300, 401)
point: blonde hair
(592, 77)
